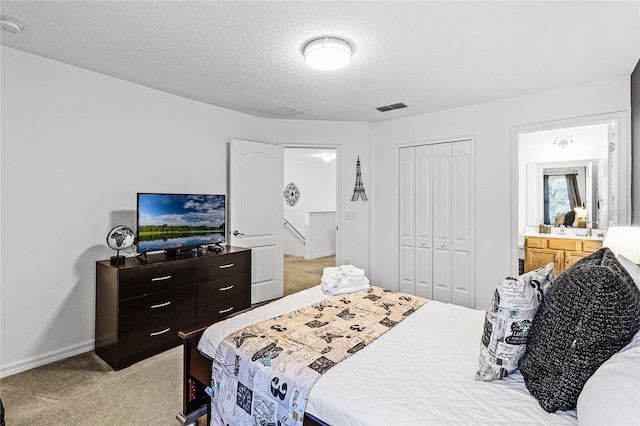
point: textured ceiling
(247, 56)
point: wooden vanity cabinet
(563, 252)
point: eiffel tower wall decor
(358, 191)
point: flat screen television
(179, 222)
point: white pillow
(632, 269)
(611, 396)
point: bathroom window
(558, 198)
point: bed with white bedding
(433, 384)
(579, 360)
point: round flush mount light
(327, 53)
(9, 25)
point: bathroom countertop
(594, 237)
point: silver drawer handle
(161, 278)
(157, 333)
(226, 288)
(160, 305)
(228, 265)
(225, 310)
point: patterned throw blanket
(262, 374)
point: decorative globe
(120, 237)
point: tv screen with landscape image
(179, 221)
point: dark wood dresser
(141, 304)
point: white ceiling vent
(391, 107)
(285, 111)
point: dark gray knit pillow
(589, 314)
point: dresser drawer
(211, 313)
(223, 266)
(224, 288)
(152, 307)
(153, 335)
(145, 280)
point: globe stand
(117, 259)
(120, 237)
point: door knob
(236, 233)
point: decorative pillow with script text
(508, 319)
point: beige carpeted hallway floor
(300, 274)
(83, 390)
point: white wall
(490, 124)
(635, 151)
(321, 231)
(76, 148)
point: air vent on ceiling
(391, 107)
(285, 111)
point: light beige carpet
(84, 390)
(300, 273)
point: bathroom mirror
(555, 189)
(570, 159)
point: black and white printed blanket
(262, 374)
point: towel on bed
(344, 279)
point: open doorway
(310, 237)
(597, 145)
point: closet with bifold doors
(437, 227)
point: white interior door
(424, 221)
(442, 222)
(462, 226)
(407, 267)
(256, 212)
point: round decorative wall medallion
(291, 194)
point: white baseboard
(319, 255)
(47, 358)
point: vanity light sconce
(563, 143)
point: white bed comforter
(434, 384)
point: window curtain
(573, 192)
(546, 199)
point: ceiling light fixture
(327, 53)
(9, 25)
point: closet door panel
(407, 189)
(407, 267)
(463, 281)
(424, 220)
(461, 290)
(442, 222)
(407, 196)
